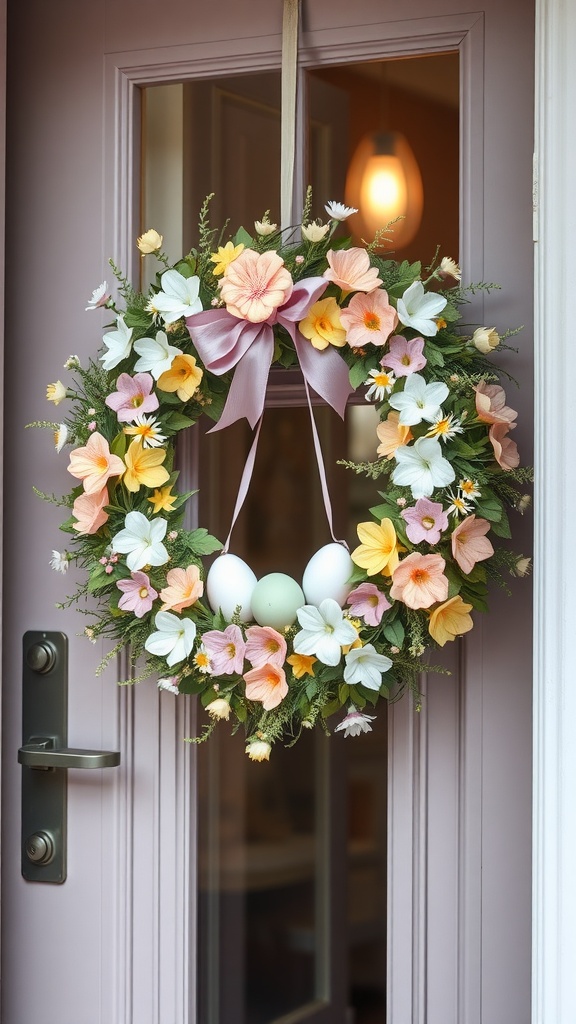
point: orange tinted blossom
(450, 620)
(505, 449)
(419, 581)
(89, 511)
(470, 544)
(350, 269)
(302, 664)
(183, 377)
(491, 404)
(94, 464)
(184, 588)
(267, 685)
(255, 285)
(392, 435)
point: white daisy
(381, 383)
(147, 429)
(337, 211)
(59, 561)
(458, 505)
(445, 426)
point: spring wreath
(272, 654)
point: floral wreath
(270, 654)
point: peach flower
(450, 620)
(265, 646)
(392, 434)
(419, 581)
(491, 404)
(470, 544)
(350, 269)
(266, 684)
(505, 449)
(369, 319)
(94, 464)
(184, 588)
(89, 511)
(255, 285)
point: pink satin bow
(224, 342)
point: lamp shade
(383, 183)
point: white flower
(449, 268)
(174, 637)
(445, 426)
(422, 467)
(419, 400)
(522, 567)
(264, 227)
(141, 540)
(337, 211)
(179, 297)
(355, 722)
(381, 383)
(60, 436)
(59, 561)
(314, 232)
(469, 489)
(56, 392)
(523, 504)
(324, 631)
(72, 363)
(156, 355)
(147, 429)
(169, 683)
(100, 297)
(416, 307)
(485, 339)
(258, 750)
(365, 666)
(118, 343)
(149, 242)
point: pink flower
(184, 588)
(470, 544)
(94, 464)
(264, 646)
(368, 602)
(255, 285)
(405, 356)
(350, 269)
(491, 404)
(137, 594)
(505, 449)
(369, 319)
(133, 397)
(419, 581)
(226, 649)
(266, 684)
(89, 511)
(426, 521)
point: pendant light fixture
(384, 183)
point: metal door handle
(43, 755)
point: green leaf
(119, 445)
(243, 238)
(177, 421)
(502, 527)
(394, 633)
(491, 509)
(202, 543)
(184, 268)
(311, 689)
(343, 693)
(357, 374)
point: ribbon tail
(248, 389)
(326, 372)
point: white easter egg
(230, 583)
(276, 599)
(327, 575)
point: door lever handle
(41, 754)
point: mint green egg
(275, 600)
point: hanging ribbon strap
(290, 24)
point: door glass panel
(292, 853)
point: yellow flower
(163, 500)
(323, 326)
(56, 392)
(450, 620)
(144, 467)
(301, 665)
(149, 242)
(183, 377)
(225, 256)
(378, 551)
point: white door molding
(554, 992)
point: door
(116, 943)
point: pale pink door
(115, 944)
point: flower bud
(449, 268)
(264, 227)
(218, 709)
(314, 232)
(60, 437)
(485, 339)
(56, 392)
(523, 566)
(149, 242)
(258, 750)
(523, 503)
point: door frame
(554, 926)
